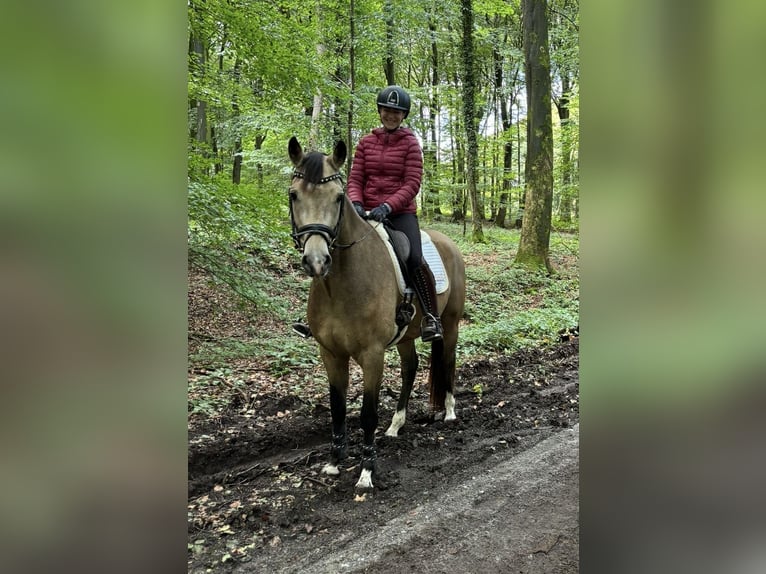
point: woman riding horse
(385, 178)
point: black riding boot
(425, 287)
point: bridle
(330, 235)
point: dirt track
(494, 492)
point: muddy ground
(258, 502)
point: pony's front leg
(372, 366)
(337, 374)
(409, 358)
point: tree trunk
(536, 227)
(259, 139)
(469, 120)
(198, 108)
(217, 152)
(236, 169)
(567, 164)
(389, 57)
(316, 110)
(507, 122)
(217, 161)
(502, 209)
(456, 133)
(431, 202)
(352, 81)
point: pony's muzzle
(316, 266)
(316, 260)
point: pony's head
(316, 204)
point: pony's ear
(339, 154)
(295, 150)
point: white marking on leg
(397, 422)
(449, 403)
(330, 469)
(365, 480)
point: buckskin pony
(353, 300)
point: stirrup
(302, 329)
(430, 329)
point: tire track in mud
(472, 528)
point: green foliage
(509, 307)
(527, 328)
(253, 104)
(221, 352)
(283, 352)
(211, 393)
(237, 234)
(288, 353)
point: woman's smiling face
(390, 118)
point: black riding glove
(360, 210)
(380, 212)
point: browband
(332, 177)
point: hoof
(396, 423)
(449, 404)
(364, 484)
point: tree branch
(574, 25)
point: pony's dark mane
(313, 166)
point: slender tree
(351, 78)
(536, 226)
(389, 67)
(469, 120)
(198, 129)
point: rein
(330, 235)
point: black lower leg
(409, 372)
(338, 410)
(369, 424)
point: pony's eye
(293, 195)
(340, 198)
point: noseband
(330, 235)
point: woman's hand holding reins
(380, 212)
(360, 210)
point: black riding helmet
(396, 98)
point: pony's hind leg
(450, 351)
(337, 374)
(409, 357)
(441, 376)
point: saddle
(399, 250)
(401, 246)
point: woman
(384, 181)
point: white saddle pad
(430, 254)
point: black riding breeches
(407, 223)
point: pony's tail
(438, 379)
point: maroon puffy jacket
(388, 167)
